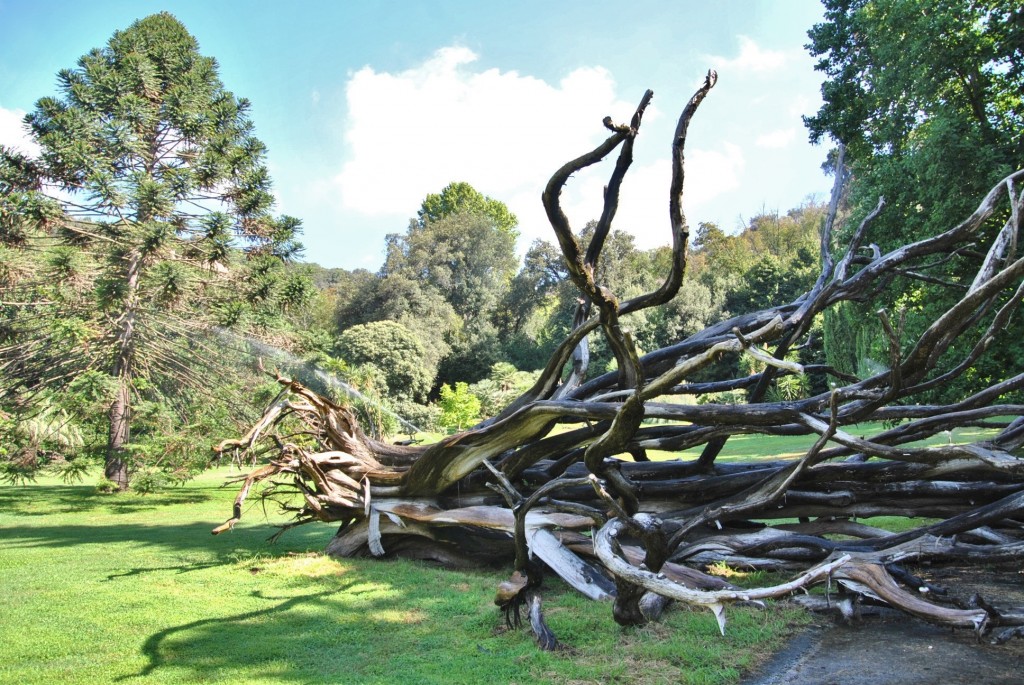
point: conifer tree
(149, 183)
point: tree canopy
(395, 351)
(461, 197)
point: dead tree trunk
(513, 489)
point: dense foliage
(451, 283)
(144, 223)
(928, 97)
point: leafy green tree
(465, 261)
(623, 268)
(503, 384)
(459, 407)
(771, 281)
(855, 343)
(903, 75)
(446, 280)
(928, 97)
(475, 348)
(693, 309)
(415, 304)
(352, 290)
(150, 167)
(50, 435)
(717, 252)
(464, 256)
(529, 305)
(460, 197)
(392, 348)
(371, 399)
(771, 261)
(542, 271)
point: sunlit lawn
(130, 588)
(743, 447)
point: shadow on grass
(23, 500)
(224, 631)
(269, 616)
(180, 568)
(189, 537)
(163, 520)
(354, 630)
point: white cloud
(752, 58)
(411, 133)
(643, 201)
(13, 134)
(774, 140)
(711, 173)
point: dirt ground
(886, 647)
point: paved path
(890, 648)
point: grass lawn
(745, 447)
(134, 589)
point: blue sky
(368, 106)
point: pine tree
(149, 183)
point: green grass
(134, 589)
(130, 588)
(747, 447)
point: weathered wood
(659, 583)
(873, 580)
(489, 493)
(589, 580)
(546, 639)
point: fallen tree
(584, 502)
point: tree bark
(116, 467)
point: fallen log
(550, 485)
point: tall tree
(464, 261)
(464, 256)
(461, 197)
(907, 75)
(928, 98)
(150, 165)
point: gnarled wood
(513, 489)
